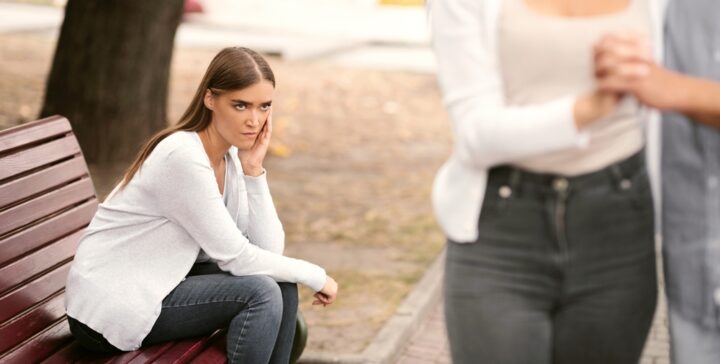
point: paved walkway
(429, 345)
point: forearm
(699, 99)
(264, 227)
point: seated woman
(196, 196)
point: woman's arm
(487, 131)
(186, 193)
(264, 227)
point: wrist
(680, 94)
(253, 171)
(582, 111)
(591, 107)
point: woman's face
(239, 116)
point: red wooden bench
(47, 198)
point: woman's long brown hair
(232, 69)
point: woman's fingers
(324, 298)
(622, 54)
(321, 299)
(269, 125)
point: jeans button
(625, 184)
(505, 191)
(560, 184)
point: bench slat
(74, 352)
(56, 175)
(40, 346)
(31, 132)
(33, 292)
(39, 261)
(45, 205)
(40, 234)
(68, 354)
(186, 350)
(31, 322)
(151, 353)
(215, 353)
(37, 156)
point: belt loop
(515, 179)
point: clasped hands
(624, 65)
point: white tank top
(545, 57)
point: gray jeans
(563, 270)
(258, 312)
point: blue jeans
(563, 270)
(258, 312)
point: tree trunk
(110, 73)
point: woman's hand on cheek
(252, 159)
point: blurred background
(359, 125)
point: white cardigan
(145, 238)
(487, 131)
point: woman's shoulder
(184, 143)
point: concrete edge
(388, 344)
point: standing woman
(189, 241)
(545, 200)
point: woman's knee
(264, 289)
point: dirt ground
(354, 156)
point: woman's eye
(265, 107)
(240, 106)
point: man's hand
(624, 65)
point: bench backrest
(46, 200)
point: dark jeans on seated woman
(259, 313)
(563, 270)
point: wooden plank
(42, 180)
(40, 346)
(215, 353)
(37, 262)
(186, 350)
(29, 132)
(124, 357)
(43, 154)
(26, 296)
(45, 205)
(150, 353)
(74, 352)
(44, 232)
(31, 322)
(68, 354)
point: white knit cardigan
(145, 238)
(489, 132)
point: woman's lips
(249, 135)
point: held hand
(252, 159)
(624, 64)
(328, 294)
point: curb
(388, 344)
